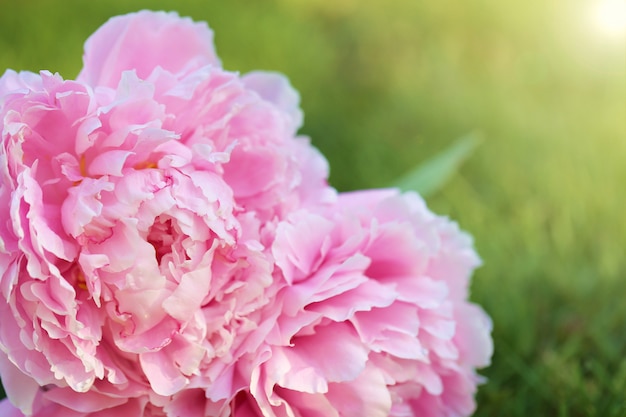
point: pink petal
(312, 368)
(295, 256)
(275, 88)
(187, 297)
(9, 410)
(422, 291)
(253, 171)
(86, 402)
(429, 379)
(109, 163)
(367, 395)
(164, 376)
(83, 205)
(392, 329)
(474, 335)
(19, 387)
(47, 231)
(141, 42)
(363, 298)
(190, 403)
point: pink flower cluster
(170, 247)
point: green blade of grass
(430, 176)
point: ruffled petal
(143, 41)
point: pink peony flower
(172, 248)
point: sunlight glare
(610, 17)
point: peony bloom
(172, 248)
(374, 319)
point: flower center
(162, 236)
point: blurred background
(388, 84)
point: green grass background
(387, 84)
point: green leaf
(430, 176)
